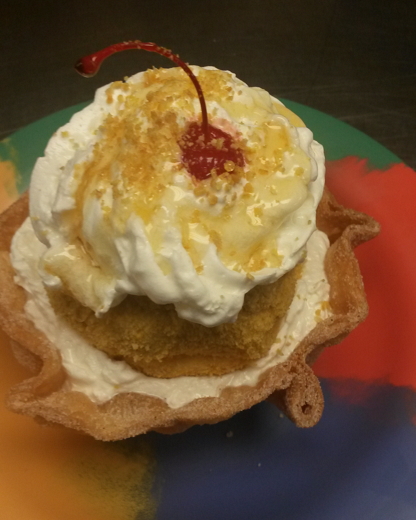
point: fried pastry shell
(291, 385)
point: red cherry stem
(89, 66)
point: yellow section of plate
(50, 473)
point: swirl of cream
(120, 214)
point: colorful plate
(358, 462)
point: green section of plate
(26, 145)
(339, 140)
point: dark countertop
(354, 60)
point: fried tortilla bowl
(291, 385)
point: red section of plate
(382, 348)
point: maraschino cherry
(204, 147)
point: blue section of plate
(359, 463)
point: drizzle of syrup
(204, 147)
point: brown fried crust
(291, 385)
(154, 340)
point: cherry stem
(89, 66)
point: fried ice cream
(150, 293)
(154, 340)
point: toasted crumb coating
(154, 340)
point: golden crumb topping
(135, 169)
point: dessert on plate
(168, 269)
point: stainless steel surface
(355, 60)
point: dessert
(176, 271)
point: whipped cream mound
(100, 378)
(119, 213)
